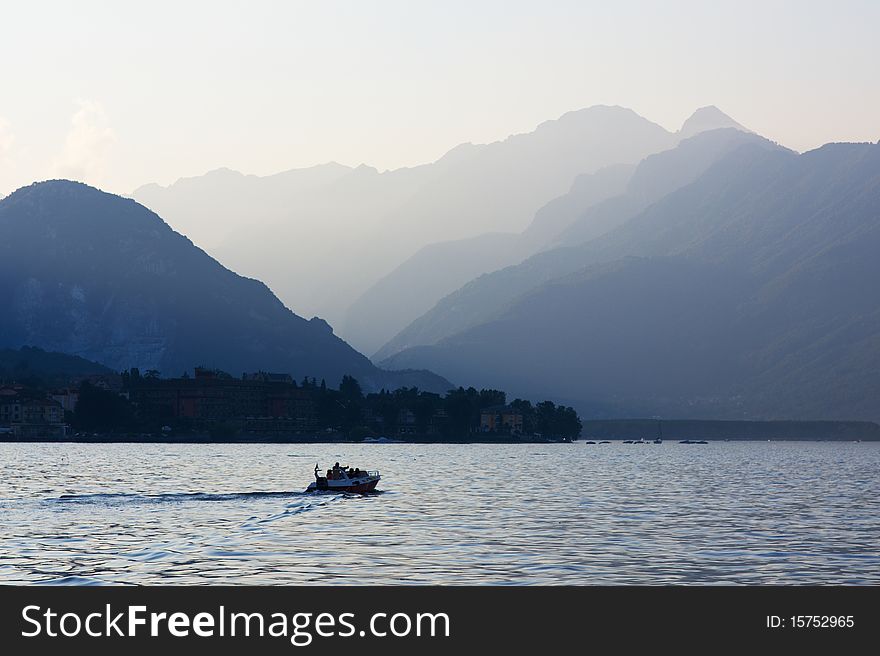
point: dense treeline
(351, 412)
(455, 414)
(103, 410)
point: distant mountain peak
(55, 190)
(708, 118)
(592, 113)
(45, 186)
(225, 171)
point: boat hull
(355, 487)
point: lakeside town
(213, 405)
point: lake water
(726, 512)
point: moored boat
(344, 479)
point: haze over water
(722, 513)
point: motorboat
(344, 479)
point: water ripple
(726, 513)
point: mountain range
(98, 276)
(748, 292)
(600, 260)
(655, 177)
(416, 285)
(356, 225)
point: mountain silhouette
(707, 118)
(438, 269)
(44, 367)
(655, 177)
(95, 275)
(748, 293)
(418, 283)
(356, 225)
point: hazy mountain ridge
(752, 295)
(586, 191)
(421, 280)
(440, 268)
(98, 276)
(656, 176)
(707, 118)
(423, 283)
(226, 198)
(363, 224)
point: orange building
(501, 419)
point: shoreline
(286, 440)
(615, 430)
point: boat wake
(182, 497)
(170, 497)
(295, 507)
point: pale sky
(118, 94)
